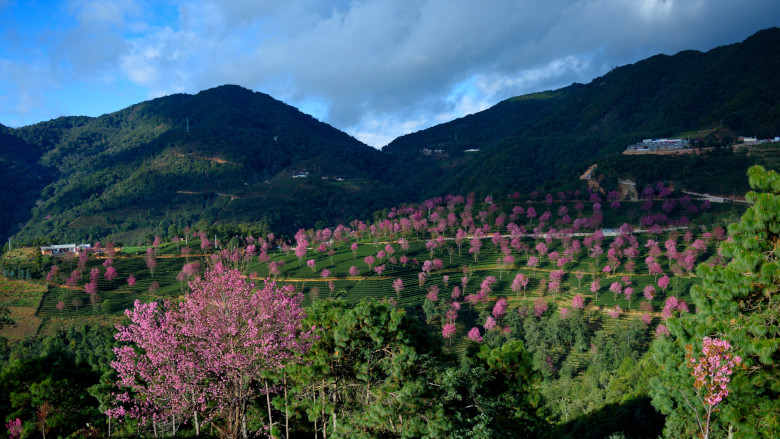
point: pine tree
(739, 303)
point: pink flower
(499, 309)
(540, 306)
(474, 335)
(448, 330)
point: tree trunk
(195, 421)
(268, 402)
(286, 411)
(324, 419)
(314, 401)
(333, 412)
(243, 424)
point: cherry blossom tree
(51, 277)
(711, 373)
(448, 330)
(207, 355)
(474, 335)
(369, 260)
(398, 285)
(520, 282)
(578, 302)
(14, 427)
(110, 274)
(475, 246)
(663, 282)
(300, 249)
(499, 309)
(540, 306)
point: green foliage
(368, 374)
(738, 303)
(502, 396)
(60, 370)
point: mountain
(551, 137)
(224, 155)
(21, 180)
(232, 156)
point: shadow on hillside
(635, 418)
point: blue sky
(376, 69)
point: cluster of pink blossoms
(712, 371)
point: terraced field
(56, 305)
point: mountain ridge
(230, 155)
(730, 87)
(222, 140)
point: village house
(62, 249)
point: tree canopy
(736, 302)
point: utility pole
(188, 124)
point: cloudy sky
(376, 69)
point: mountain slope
(21, 179)
(547, 137)
(224, 155)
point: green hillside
(550, 138)
(225, 155)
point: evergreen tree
(367, 374)
(738, 303)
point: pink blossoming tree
(206, 356)
(711, 373)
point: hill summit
(224, 155)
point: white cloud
(381, 68)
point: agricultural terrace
(465, 266)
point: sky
(376, 69)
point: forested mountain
(229, 155)
(225, 155)
(551, 137)
(21, 179)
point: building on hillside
(748, 140)
(659, 145)
(62, 249)
(303, 174)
